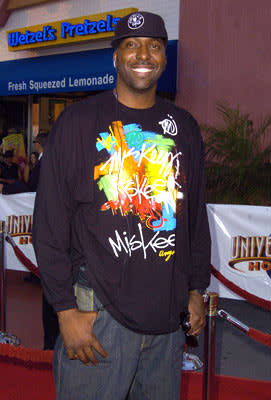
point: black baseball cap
(140, 24)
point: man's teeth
(142, 69)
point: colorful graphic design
(139, 175)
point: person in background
(34, 158)
(49, 318)
(9, 170)
(32, 183)
(120, 230)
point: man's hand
(76, 328)
(196, 309)
(1, 187)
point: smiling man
(121, 231)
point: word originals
(166, 254)
(89, 27)
(163, 158)
(16, 39)
(252, 246)
(132, 244)
(19, 225)
(64, 83)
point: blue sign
(16, 39)
(89, 27)
(19, 39)
(73, 72)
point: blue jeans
(139, 367)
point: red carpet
(27, 374)
(225, 388)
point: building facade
(53, 53)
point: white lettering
(134, 244)
(17, 86)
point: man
(120, 214)
(32, 184)
(9, 170)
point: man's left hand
(196, 309)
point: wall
(224, 54)
(62, 9)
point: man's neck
(135, 99)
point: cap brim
(115, 42)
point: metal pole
(2, 280)
(29, 124)
(209, 347)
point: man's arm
(199, 236)
(53, 212)
(196, 310)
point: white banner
(17, 210)
(241, 248)
(241, 243)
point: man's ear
(115, 59)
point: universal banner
(17, 212)
(241, 252)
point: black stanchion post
(2, 280)
(209, 347)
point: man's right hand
(76, 329)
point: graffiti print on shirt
(140, 176)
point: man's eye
(155, 46)
(130, 45)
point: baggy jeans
(138, 367)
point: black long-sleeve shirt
(126, 198)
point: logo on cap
(135, 21)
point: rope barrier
(20, 255)
(28, 356)
(254, 334)
(241, 292)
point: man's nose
(143, 52)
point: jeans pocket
(178, 341)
